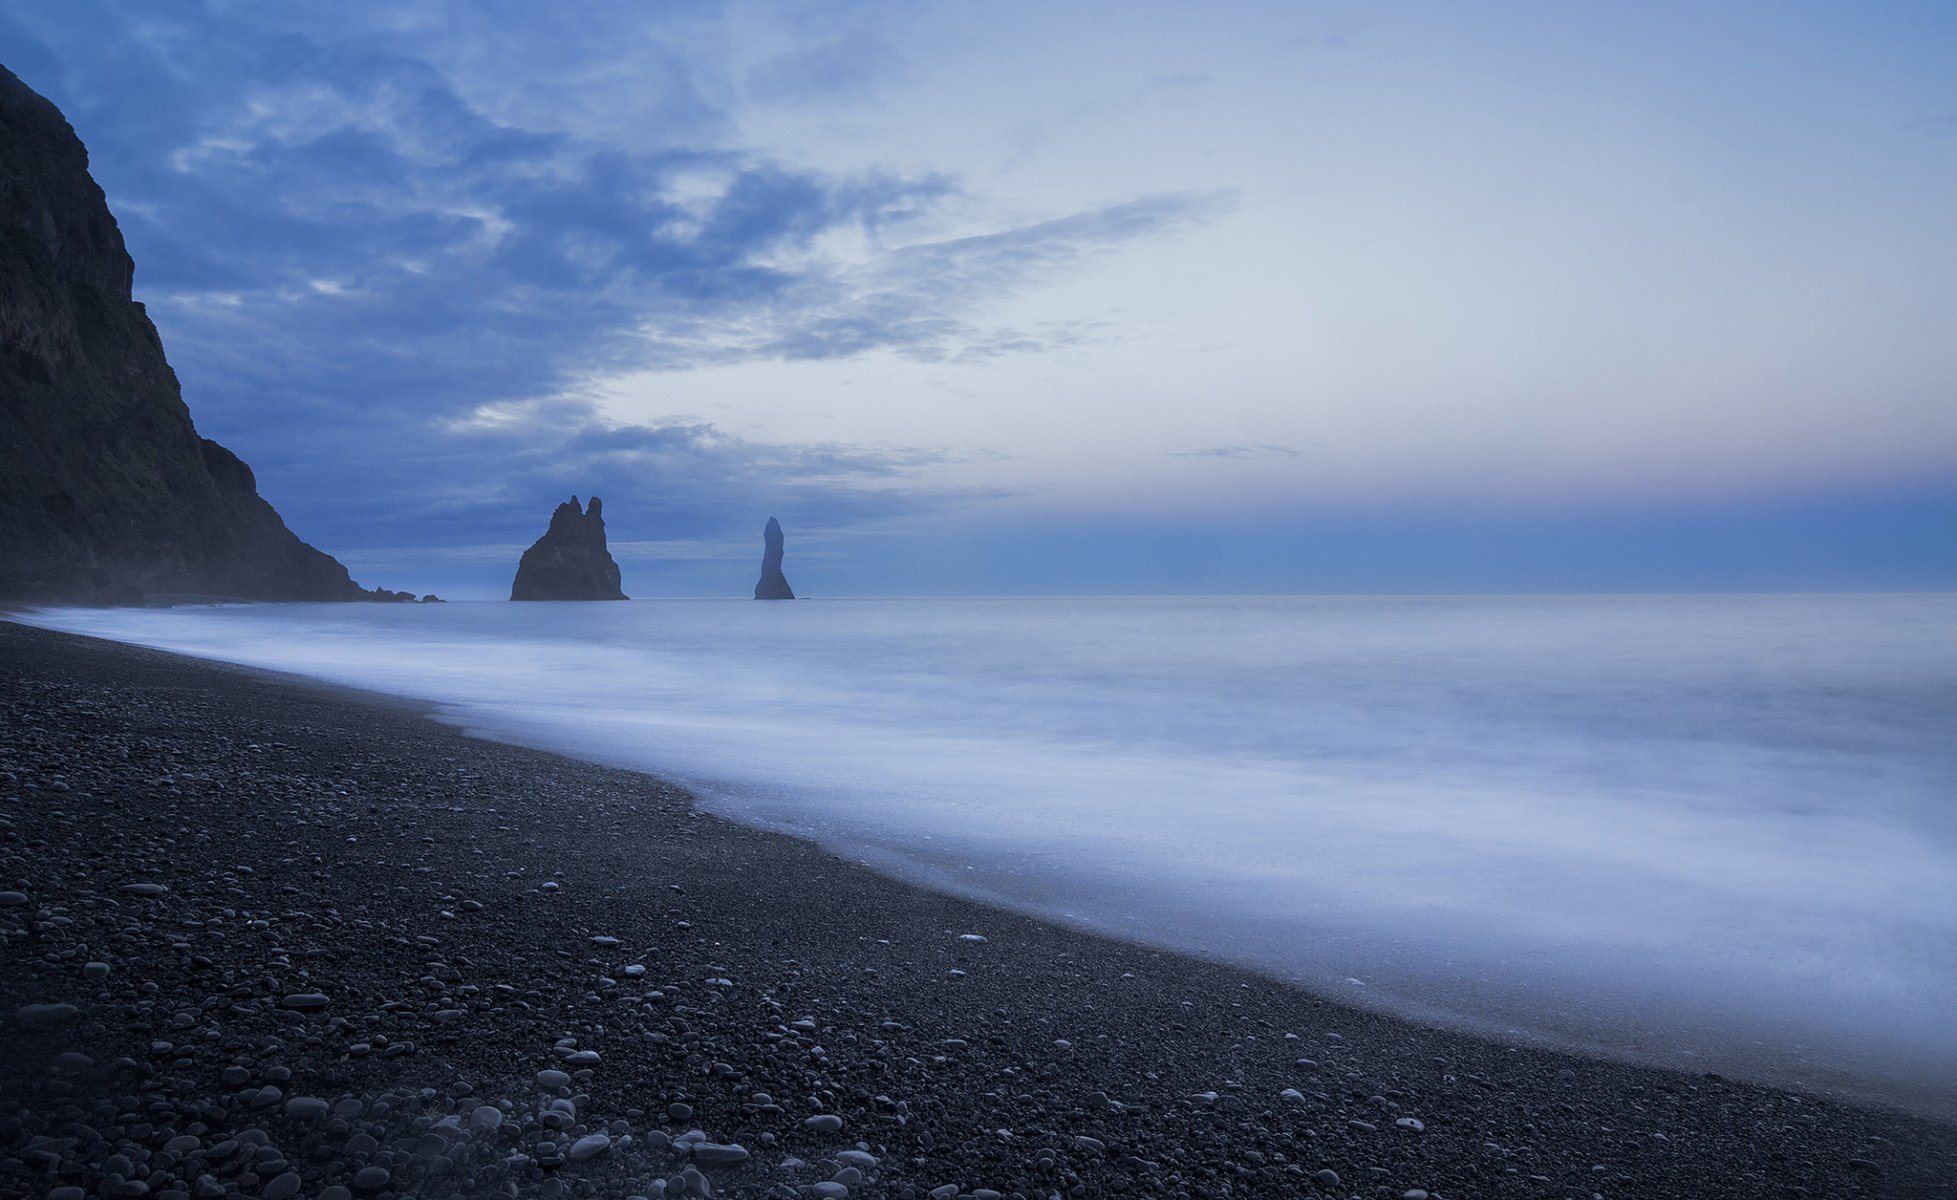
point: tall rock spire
(773, 585)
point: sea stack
(570, 562)
(107, 493)
(773, 585)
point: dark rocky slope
(107, 493)
(570, 562)
(773, 584)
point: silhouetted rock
(570, 562)
(107, 494)
(773, 585)
(432, 598)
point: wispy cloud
(1257, 451)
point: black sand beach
(265, 939)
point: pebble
(1327, 1178)
(371, 1179)
(33, 1015)
(715, 1154)
(12, 899)
(857, 1158)
(282, 1187)
(1409, 1123)
(306, 1108)
(551, 1080)
(304, 1002)
(488, 1116)
(590, 1146)
(584, 1058)
(145, 889)
(824, 1123)
(829, 1190)
(95, 972)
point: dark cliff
(570, 562)
(773, 584)
(107, 493)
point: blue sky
(1021, 297)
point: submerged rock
(570, 562)
(773, 584)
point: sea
(1712, 833)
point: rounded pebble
(44, 1014)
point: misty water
(1714, 833)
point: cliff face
(773, 584)
(107, 493)
(571, 561)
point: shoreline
(1111, 1068)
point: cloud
(341, 228)
(1257, 451)
(918, 299)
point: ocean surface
(1714, 833)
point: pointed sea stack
(107, 493)
(773, 585)
(570, 562)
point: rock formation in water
(773, 585)
(107, 493)
(570, 562)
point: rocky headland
(773, 585)
(571, 560)
(107, 493)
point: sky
(1025, 298)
